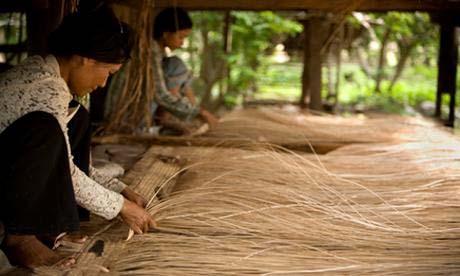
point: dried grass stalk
(375, 209)
(281, 127)
(242, 212)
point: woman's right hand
(137, 218)
(209, 118)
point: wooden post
(447, 68)
(311, 86)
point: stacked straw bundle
(242, 212)
(278, 126)
(373, 209)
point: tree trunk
(304, 97)
(338, 69)
(206, 98)
(404, 55)
(363, 64)
(224, 84)
(381, 65)
(330, 75)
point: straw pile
(381, 208)
(291, 129)
(278, 126)
(241, 212)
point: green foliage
(415, 36)
(281, 81)
(417, 85)
(253, 74)
(252, 36)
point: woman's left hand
(131, 195)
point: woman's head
(96, 33)
(95, 44)
(172, 26)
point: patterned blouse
(36, 85)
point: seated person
(177, 80)
(171, 27)
(44, 144)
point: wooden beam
(447, 67)
(319, 147)
(7, 6)
(328, 5)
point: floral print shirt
(36, 85)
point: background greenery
(388, 63)
(388, 60)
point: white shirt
(36, 85)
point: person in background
(173, 93)
(178, 78)
(45, 139)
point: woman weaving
(173, 93)
(45, 146)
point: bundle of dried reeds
(363, 209)
(280, 127)
(244, 212)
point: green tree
(408, 31)
(252, 35)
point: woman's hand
(131, 195)
(190, 95)
(136, 217)
(209, 118)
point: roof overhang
(325, 5)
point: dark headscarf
(94, 33)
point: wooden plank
(7, 6)
(330, 5)
(319, 147)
